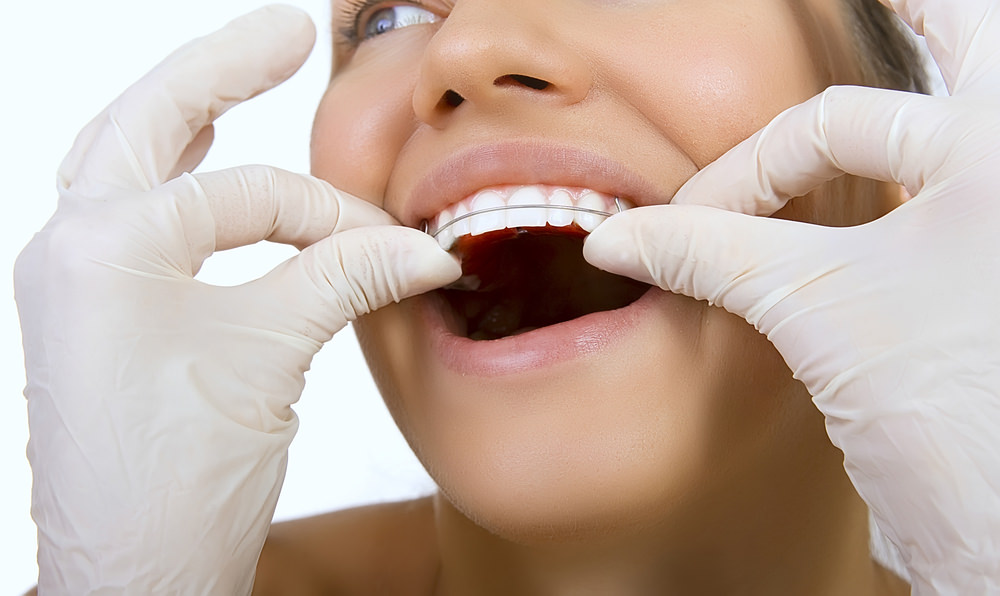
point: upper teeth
(522, 207)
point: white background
(62, 62)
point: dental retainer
(523, 210)
(489, 211)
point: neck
(809, 536)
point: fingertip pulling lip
(472, 169)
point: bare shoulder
(377, 549)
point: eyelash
(352, 13)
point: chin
(552, 477)
(606, 442)
(555, 515)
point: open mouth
(523, 271)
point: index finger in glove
(254, 203)
(963, 37)
(874, 133)
(345, 276)
(743, 264)
(136, 142)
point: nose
(490, 54)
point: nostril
(451, 99)
(525, 80)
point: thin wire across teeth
(424, 225)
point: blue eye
(389, 19)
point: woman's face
(618, 417)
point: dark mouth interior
(517, 280)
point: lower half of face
(655, 407)
(629, 418)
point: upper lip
(467, 171)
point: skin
(683, 459)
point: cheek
(390, 340)
(358, 132)
(718, 79)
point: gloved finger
(854, 130)
(346, 275)
(962, 37)
(195, 152)
(254, 203)
(136, 142)
(742, 263)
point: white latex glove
(159, 406)
(893, 326)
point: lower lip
(534, 349)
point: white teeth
(589, 221)
(444, 217)
(560, 217)
(461, 227)
(527, 218)
(446, 236)
(492, 216)
(527, 206)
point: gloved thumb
(351, 273)
(744, 264)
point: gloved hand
(893, 326)
(159, 406)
